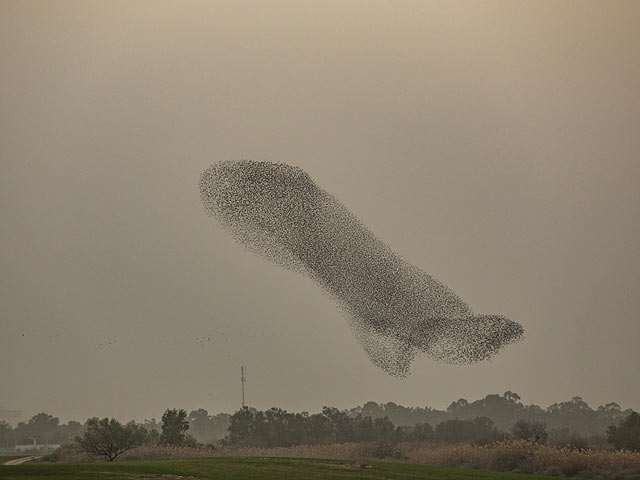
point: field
(249, 469)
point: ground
(248, 469)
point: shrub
(385, 450)
(564, 438)
(534, 431)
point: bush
(565, 438)
(385, 450)
(552, 471)
(516, 456)
(534, 431)
(70, 453)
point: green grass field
(248, 469)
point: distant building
(41, 447)
(12, 417)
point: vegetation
(507, 456)
(44, 428)
(529, 457)
(495, 433)
(505, 410)
(207, 428)
(251, 468)
(534, 431)
(109, 438)
(627, 434)
(278, 428)
(174, 428)
(479, 430)
(571, 424)
(511, 456)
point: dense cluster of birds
(394, 308)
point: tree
(42, 427)
(109, 438)
(421, 432)
(67, 432)
(207, 428)
(610, 408)
(480, 430)
(534, 431)
(627, 434)
(240, 428)
(458, 405)
(5, 430)
(511, 396)
(343, 429)
(384, 429)
(320, 429)
(174, 427)
(200, 424)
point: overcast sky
(495, 145)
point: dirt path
(19, 461)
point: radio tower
(243, 378)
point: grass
(243, 468)
(512, 456)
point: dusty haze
(495, 145)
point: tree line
(495, 417)
(278, 428)
(47, 429)
(574, 416)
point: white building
(42, 447)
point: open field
(511, 456)
(248, 468)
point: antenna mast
(243, 378)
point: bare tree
(109, 438)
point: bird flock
(395, 309)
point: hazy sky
(495, 145)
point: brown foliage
(519, 456)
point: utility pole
(243, 378)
